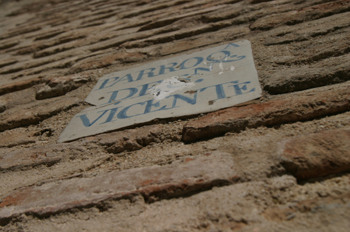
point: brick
(101, 61)
(257, 1)
(295, 79)
(48, 34)
(309, 31)
(201, 40)
(302, 15)
(39, 45)
(25, 158)
(135, 139)
(169, 20)
(19, 85)
(3, 106)
(175, 35)
(6, 62)
(8, 44)
(59, 86)
(35, 112)
(55, 49)
(12, 139)
(181, 177)
(22, 30)
(228, 12)
(317, 155)
(115, 42)
(60, 64)
(289, 109)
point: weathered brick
(23, 158)
(59, 86)
(135, 139)
(317, 155)
(12, 139)
(6, 62)
(309, 31)
(286, 110)
(34, 113)
(8, 44)
(60, 64)
(257, 1)
(200, 41)
(305, 77)
(48, 34)
(3, 106)
(181, 177)
(166, 21)
(302, 15)
(12, 86)
(12, 160)
(101, 61)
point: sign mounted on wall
(200, 82)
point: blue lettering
(105, 83)
(219, 89)
(149, 105)
(238, 89)
(150, 73)
(191, 101)
(86, 120)
(146, 87)
(127, 77)
(201, 69)
(225, 58)
(132, 92)
(231, 44)
(123, 113)
(111, 115)
(183, 66)
(163, 68)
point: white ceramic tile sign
(190, 84)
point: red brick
(152, 182)
(289, 109)
(317, 155)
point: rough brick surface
(12, 139)
(135, 139)
(61, 85)
(34, 113)
(27, 158)
(301, 78)
(52, 53)
(274, 112)
(317, 155)
(192, 174)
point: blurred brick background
(278, 163)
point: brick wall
(279, 163)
